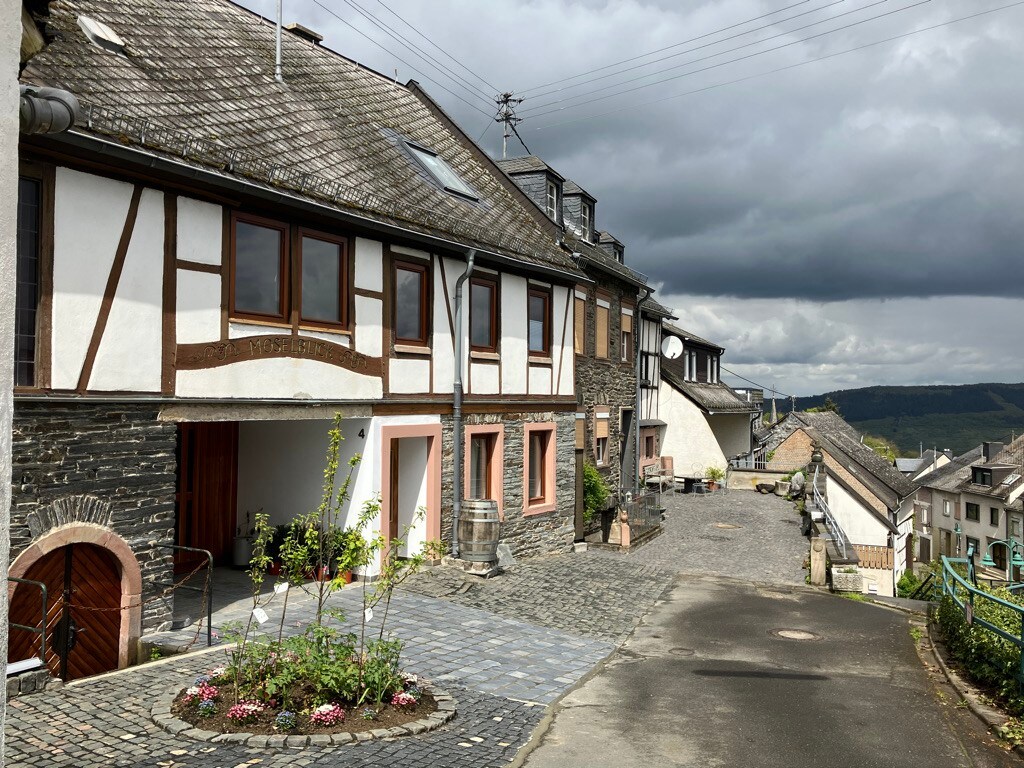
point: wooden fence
(873, 556)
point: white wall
(10, 39)
(412, 492)
(732, 430)
(859, 524)
(688, 439)
(514, 335)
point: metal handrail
(951, 580)
(831, 524)
(209, 584)
(41, 629)
(922, 587)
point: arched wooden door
(83, 619)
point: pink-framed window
(484, 451)
(539, 468)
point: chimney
(305, 33)
(991, 450)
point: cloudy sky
(849, 221)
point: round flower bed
(204, 710)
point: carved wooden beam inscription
(213, 354)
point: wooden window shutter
(627, 323)
(601, 346)
(601, 425)
(580, 326)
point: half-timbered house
(213, 262)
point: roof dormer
(578, 208)
(612, 246)
(541, 183)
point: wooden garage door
(83, 622)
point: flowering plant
(203, 692)
(246, 711)
(285, 720)
(327, 714)
(207, 708)
(369, 714)
(403, 699)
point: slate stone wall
(109, 464)
(607, 382)
(531, 535)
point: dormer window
(619, 254)
(440, 172)
(982, 476)
(586, 219)
(552, 200)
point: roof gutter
(581, 257)
(111, 149)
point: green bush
(595, 491)
(907, 584)
(988, 659)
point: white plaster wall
(89, 216)
(688, 438)
(341, 339)
(513, 336)
(369, 264)
(443, 346)
(412, 492)
(200, 232)
(732, 431)
(561, 339)
(484, 379)
(279, 378)
(369, 334)
(198, 307)
(239, 330)
(979, 530)
(409, 375)
(281, 464)
(10, 38)
(859, 524)
(880, 579)
(540, 380)
(130, 352)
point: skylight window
(101, 35)
(441, 172)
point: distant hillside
(956, 417)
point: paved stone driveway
(503, 647)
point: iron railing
(207, 591)
(41, 629)
(966, 596)
(831, 524)
(643, 510)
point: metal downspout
(278, 74)
(457, 407)
(639, 390)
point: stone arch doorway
(94, 610)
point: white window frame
(552, 199)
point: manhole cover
(727, 525)
(681, 651)
(795, 634)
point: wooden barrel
(478, 531)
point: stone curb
(161, 715)
(991, 717)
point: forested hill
(956, 417)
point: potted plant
(714, 476)
(242, 552)
(274, 548)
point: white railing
(831, 525)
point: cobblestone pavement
(105, 722)
(764, 546)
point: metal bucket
(478, 531)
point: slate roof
(949, 476)
(602, 260)
(604, 236)
(652, 307)
(687, 336)
(1011, 456)
(570, 187)
(527, 164)
(711, 398)
(908, 466)
(843, 442)
(197, 81)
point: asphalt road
(707, 681)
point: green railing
(966, 596)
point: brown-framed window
(323, 275)
(411, 306)
(627, 338)
(483, 314)
(30, 200)
(579, 328)
(601, 332)
(649, 452)
(540, 467)
(259, 268)
(481, 458)
(601, 418)
(539, 321)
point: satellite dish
(671, 347)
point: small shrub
(907, 584)
(207, 708)
(285, 720)
(714, 474)
(595, 491)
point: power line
(779, 69)
(698, 48)
(400, 59)
(759, 386)
(733, 50)
(415, 29)
(659, 50)
(416, 50)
